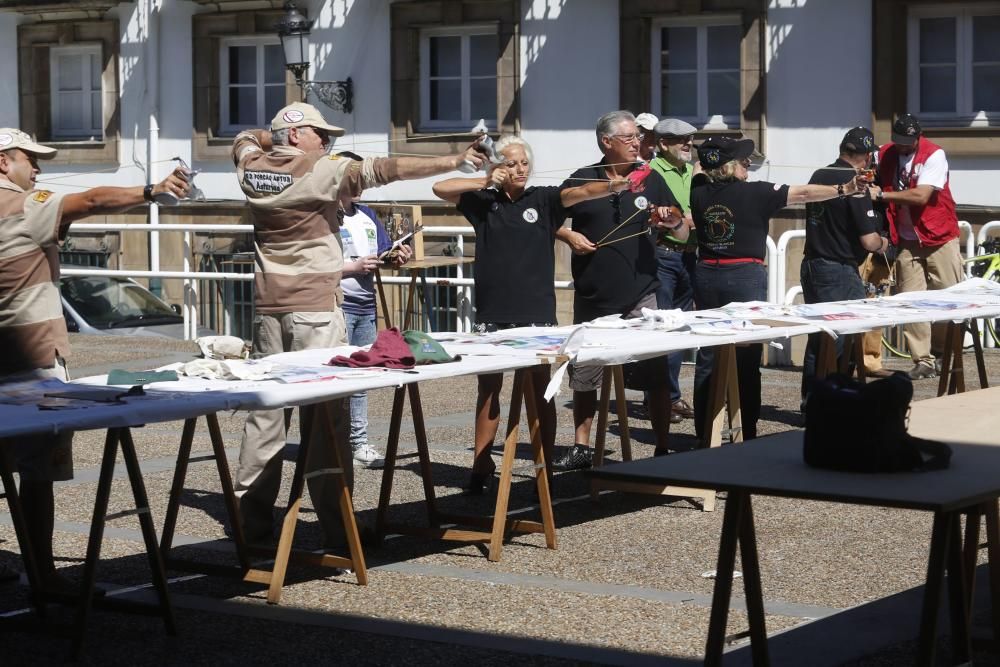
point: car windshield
(107, 302)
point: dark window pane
(680, 95)
(484, 98)
(274, 64)
(96, 119)
(446, 56)
(446, 100)
(274, 99)
(937, 40)
(71, 111)
(680, 48)
(937, 89)
(243, 106)
(70, 73)
(242, 64)
(723, 46)
(986, 88)
(986, 38)
(95, 71)
(724, 93)
(483, 53)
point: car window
(107, 302)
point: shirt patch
(870, 214)
(778, 186)
(42, 196)
(641, 202)
(334, 156)
(530, 215)
(267, 181)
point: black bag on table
(857, 427)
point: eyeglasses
(629, 138)
(689, 139)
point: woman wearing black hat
(731, 217)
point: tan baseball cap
(300, 114)
(13, 138)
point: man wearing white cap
(33, 332)
(293, 186)
(675, 259)
(646, 122)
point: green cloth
(679, 182)
(425, 349)
(132, 378)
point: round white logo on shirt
(778, 186)
(641, 202)
(5, 139)
(292, 116)
(530, 215)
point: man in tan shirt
(32, 330)
(293, 186)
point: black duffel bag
(858, 427)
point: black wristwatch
(147, 192)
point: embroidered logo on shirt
(530, 215)
(42, 196)
(267, 181)
(641, 202)
(719, 225)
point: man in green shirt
(675, 259)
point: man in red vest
(923, 225)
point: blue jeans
(715, 286)
(360, 331)
(825, 280)
(675, 271)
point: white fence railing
(777, 266)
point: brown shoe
(681, 408)
(879, 373)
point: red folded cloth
(388, 351)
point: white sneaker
(366, 456)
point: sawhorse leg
(952, 378)
(23, 538)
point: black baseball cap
(714, 152)
(906, 130)
(858, 140)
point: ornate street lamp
(293, 30)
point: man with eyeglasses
(293, 187)
(614, 273)
(675, 259)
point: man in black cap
(839, 235)
(913, 173)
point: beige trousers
(922, 268)
(874, 270)
(258, 477)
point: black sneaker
(576, 457)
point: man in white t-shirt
(913, 174)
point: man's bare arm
(98, 201)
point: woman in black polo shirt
(732, 217)
(515, 263)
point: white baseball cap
(300, 114)
(646, 121)
(11, 138)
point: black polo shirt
(515, 257)
(616, 276)
(834, 226)
(732, 219)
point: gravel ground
(627, 584)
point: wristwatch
(147, 192)
(880, 195)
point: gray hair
(608, 123)
(508, 140)
(724, 173)
(280, 137)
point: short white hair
(510, 140)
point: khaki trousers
(874, 270)
(922, 268)
(258, 477)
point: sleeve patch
(42, 196)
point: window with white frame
(76, 92)
(954, 63)
(696, 70)
(458, 77)
(251, 82)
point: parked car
(119, 306)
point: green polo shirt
(679, 182)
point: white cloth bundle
(230, 369)
(223, 347)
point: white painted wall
(9, 113)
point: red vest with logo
(935, 223)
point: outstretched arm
(97, 201)
(596, 190)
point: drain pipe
(152, 87)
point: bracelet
(880, 195)
(840, 190)
(147, 192)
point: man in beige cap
(33, 332)
(292, 186)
